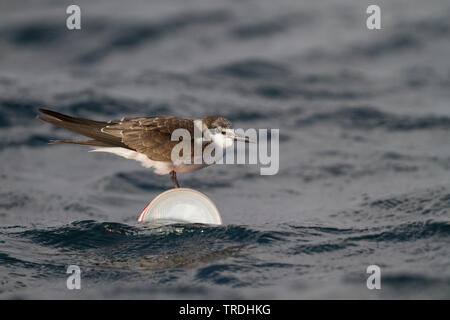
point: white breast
(160, 167)
(221, 141)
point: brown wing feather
(164, 124)
(92, 143)
(150, 136)
(86, 127)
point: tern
(147, 140)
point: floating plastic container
(180, 206)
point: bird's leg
(173, 176)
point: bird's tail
(92, 143)
(86, 127)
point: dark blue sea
(364, 177)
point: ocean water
(364, 178)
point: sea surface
(364, 177)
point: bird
(145, 139)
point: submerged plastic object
(180, 205)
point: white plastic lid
(180, 205)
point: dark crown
(216, 121)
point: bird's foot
(173, 176)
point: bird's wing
(86, 127)
(150, 136)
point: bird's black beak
(235, 137)
(245, 139)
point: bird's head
(221, 132)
